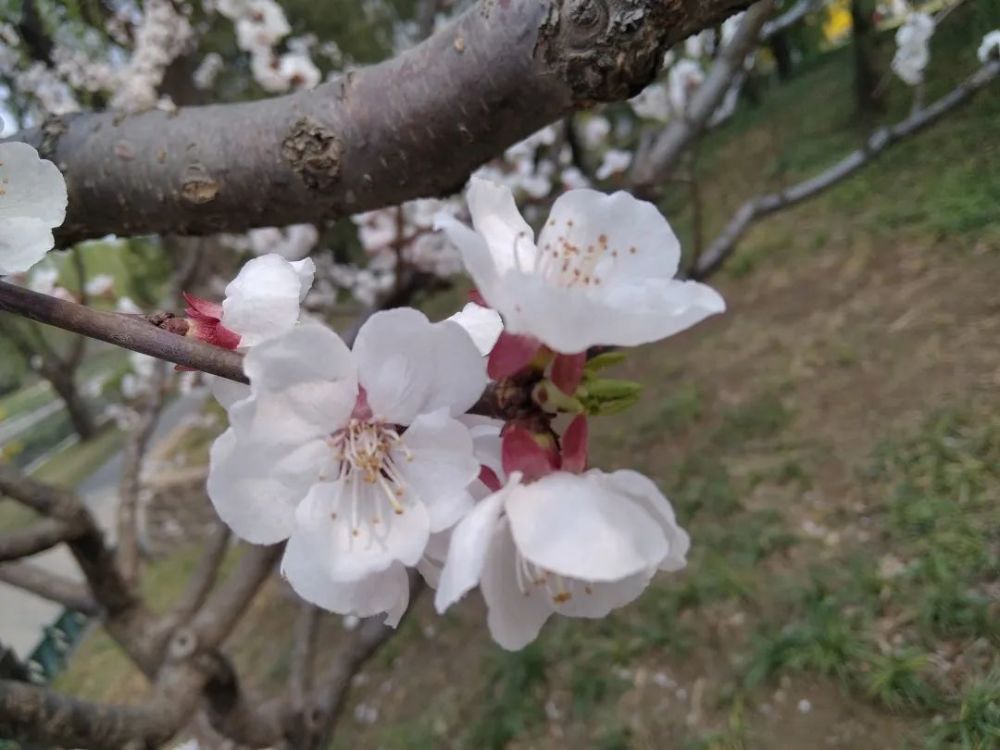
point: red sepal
(567, 371)
(511, 354)
(521, 452)
(574, 445)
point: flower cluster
(260, 25)
(366, 462)
(913, 48)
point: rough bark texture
(413, 126)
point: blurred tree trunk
(867, 95)
(782, 52)
(79, 414)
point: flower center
(369, 453)
(566, 263)
(560, 589)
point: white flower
(483, 325)
(317, 455)
(299, 70)
(909, 63)
(601, 272)
(595, 131)
(208, 70)
(261, 26)
(580, 545)
(292, 243)
(615, 161)
(32, 203)
(263, 300)
(913, 50)
(918, 28)
(990, 46)
(684, 78)
(43, 278)
(653, 103)
(100, 284)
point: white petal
(227, 392)
(600, 598)
(459, 370)
(637, 243)
(514, 617)
(467, 550)
(299, 413)
(263, 300)
(409, 366)
(475, 255)
(644, 491)
(342, 536)
(496, 219)
(392, 351)
(440, 467)
(33, 188)
(308, 353)
(483, 325)
(305, 268)
(576, 527)
(486, 443)
(23, 242)
(255, 490)
(386, 591)
(572, 319)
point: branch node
(183, 644)
(314, 151)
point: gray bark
(413, 126)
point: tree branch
(127, 331)
(40, 582)
(43, 535)
(673, 140)
(790, 17)
(377, 136)
(35, 713)
(877, 143)
(216, 619)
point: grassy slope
(832, 445)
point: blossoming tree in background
(366, 460)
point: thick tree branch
(877, 143)
(40, 582)
(127, 331)
(43, 535)
(35, 713)
(413, 126)
(661, 157)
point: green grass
(24, 400)
(70, 466)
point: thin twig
(127, 331)
(877, 143)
